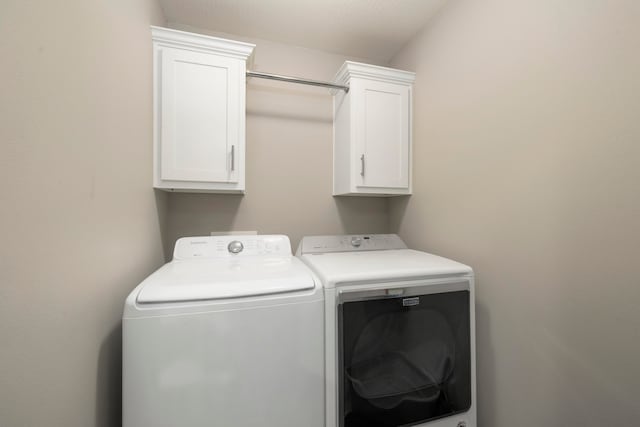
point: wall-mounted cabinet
(372, 131)
(199, 112)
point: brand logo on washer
(408, 302)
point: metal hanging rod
(296, 80)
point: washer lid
(214, 279)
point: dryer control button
(356, 242)
(235, 247)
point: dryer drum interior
(404, 364)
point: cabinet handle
(362, 165)
(233, 158)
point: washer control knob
(235, 247)
(462, 424)
(356, 242)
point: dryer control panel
(349, 243)
(231, 246)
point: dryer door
(404, 354)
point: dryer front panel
(404, 355)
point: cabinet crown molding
(352, 69)
(219, 46)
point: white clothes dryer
(399, 333)
(229, 333)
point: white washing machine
(228, 334)
(399, 334)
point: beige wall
(289, 159)
(527, 167)
(79, 220)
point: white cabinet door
(372, 131)
(199, 117)
(382, 142)
(199, 112)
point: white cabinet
(372, 131)
(199, 112)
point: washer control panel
(349, 243)
(231, 246)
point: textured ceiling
(374, 29)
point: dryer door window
(404, 360)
